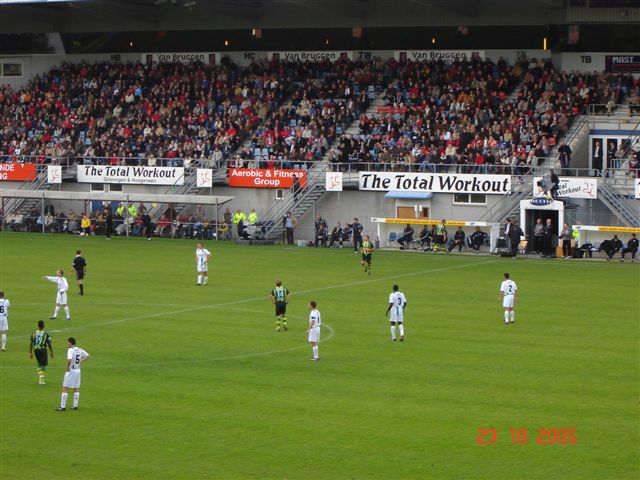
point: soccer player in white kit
(508, 292)
(4, 319)
(397, 304)
(313, 332)
(75, 357)
(61, 297)
(202, 262)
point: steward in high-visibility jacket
(253, 217)
(239, 217)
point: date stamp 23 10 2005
(520, 436)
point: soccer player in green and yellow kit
(280, 297)
(366, 250)
(40, 341)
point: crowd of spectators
(468, 115)
(105, 113)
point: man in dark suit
(515, 234)
(596, 157)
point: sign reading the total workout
(436, 182)
(17, 172)
(265, 178)
(622, 63)
(571, 187)
(134, 175)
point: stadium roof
(151, 15)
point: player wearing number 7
(508, 293)
(75, 357)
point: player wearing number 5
(202, 262)
(508, 293)
(75, 357)
(61, 297)
(313, 332)
(397, 304)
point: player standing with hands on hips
(61, 297)
(508, 292)
(313, 332)
(202, 262)
(397, 304)
(75, 357)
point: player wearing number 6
(75, 357)
(4, 319)
(508, 293)
(397, 304)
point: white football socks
(55, 312)
(4, 340)
(66, 312)
(76, 399)
(63, 400)
(199, 279)
(506, 316)
(206, 279)
(513, 316)
(401, 328)
(393, 332)
(315, 352)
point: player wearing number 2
(202, 262)
(397, 304)
(508, 293)
(75, 357)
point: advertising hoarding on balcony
(265, 178)
(132, 175)
(571, 187)
(17, 172)
(436, 182)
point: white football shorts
(61, 298)
(203, 269)
(396, 317)
(4, 323)
(71, 379)
(314, 335)
(508, 300)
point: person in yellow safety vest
(575, 234)
(133, 211)
(253, 217)
(238, 218)
(120, 210)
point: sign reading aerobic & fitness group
(138, 175)
(571, 187)
(265, 178)
(436, 182)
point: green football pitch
(194, 382)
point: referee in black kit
(80, 266)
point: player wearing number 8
(75, 357)
(508, 293)
(397, 304)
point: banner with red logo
(265, 178)
(17, 172)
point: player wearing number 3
(75, 357)
(397, 304)
(508, 293)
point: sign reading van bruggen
(311, 56)
(17, 172)
(446, 56)
(436, 183)
(622, 63)
(133, 175)
(265, 178)
(208, 58)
